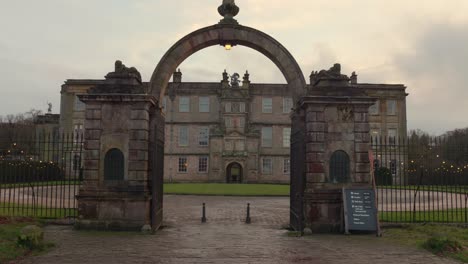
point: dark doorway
(234, 173)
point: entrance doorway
(234, 173)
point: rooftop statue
(235, 80)
(122, 72)
(333, 75)
(49, 108)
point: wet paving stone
(225, 238)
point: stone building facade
(234, 130)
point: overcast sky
(420, 43)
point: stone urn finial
(228, 9)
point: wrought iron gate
(297, 173)
(157, 170)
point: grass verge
(447, 241)
(227, 189)
(9, 232)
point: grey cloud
(438, 79)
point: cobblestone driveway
(223, 239)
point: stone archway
(226, 33)
(137, 128)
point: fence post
(247, 219)
(203, 219)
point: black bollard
(203, 219)
(247, 220)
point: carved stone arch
(222, 34)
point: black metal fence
(40, 175)
(421, 179)
(418, 180)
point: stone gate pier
(116, 194)
(337, 141)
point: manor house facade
(234, 131)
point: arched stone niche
(340, 167)
(114, 165)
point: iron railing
(421, 179)
(40, 176)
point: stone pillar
(116, 122)
(336, 116)
(116, 193)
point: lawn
(12, 210)
(227, 189)
(463, 189)
(441, 216)
(418, 235)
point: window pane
(203, 164)
(391, 107)
(267, 136)
(184, 104)
(242, 107)
(183, 164)
(183, 136)
(286, 166)
(228, 107)
(267, 166)
(287, 105)
(204, 104)
(267, 105)
(286, 137)
(374, 109)
(203, 136)
(392, 133)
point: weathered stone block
(362, 157)
(315, 137)
(362, 147)
(93, 106)
(315, 147)
(361, 117)
(93, 154)
(90, 175)
(92, 124)
(139, 135)
(139, 115)
(139, 125)
(361, 127)
(93, 114)
(315, 177)
(315, 167)
(314, 108)
(311, 117)
(363, 178)
(92, 134)
(362, 167)
(316, 127)
(138, 165)
(91, 164)
(362, 137)
(92, 144)
(138, 145)
(315, 157)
